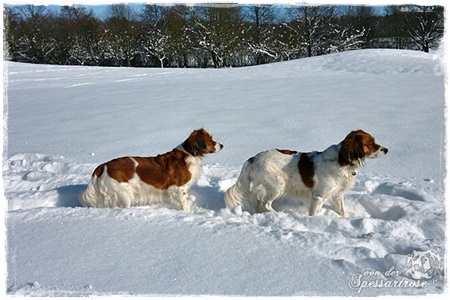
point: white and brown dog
(314, 176)
(138, 181)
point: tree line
(214, 35)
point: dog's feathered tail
(236, 195)
(92, 196)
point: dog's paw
(237, 210)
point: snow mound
(369, 61)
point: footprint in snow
(398, 190)
(394, 213)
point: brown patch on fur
(369, 145)
(99, 170)
(161, 171)
(121, 169)
(306, 169)
(164, 170)
(287, 152)
(199, 143)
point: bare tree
(32, 12)
(362, 19)
(395, 29)
(12, 33)
(346, 36)
(425, 25)
(35, 41)
(217, 30)
(155, 38)
(75, 12)
(87, 35)
(121, 24)
(121, 11)
(311, 26)
(180, 44)
(261, 42)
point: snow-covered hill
(64, 120)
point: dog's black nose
(385, 150)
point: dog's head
(357, 146)
(200, 142)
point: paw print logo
(424, 265)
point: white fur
(271, 174)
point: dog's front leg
(316, 204)
(185, 202)
(178, 196)
(338, 205)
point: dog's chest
(195, 168)
(331, 176)
(346, 181)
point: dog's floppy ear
(352, 149)
(355, 147)
(195, 144)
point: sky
(99, 6)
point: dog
(314, 176)
(139, 181)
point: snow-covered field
(64, 120)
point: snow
(64, 120)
